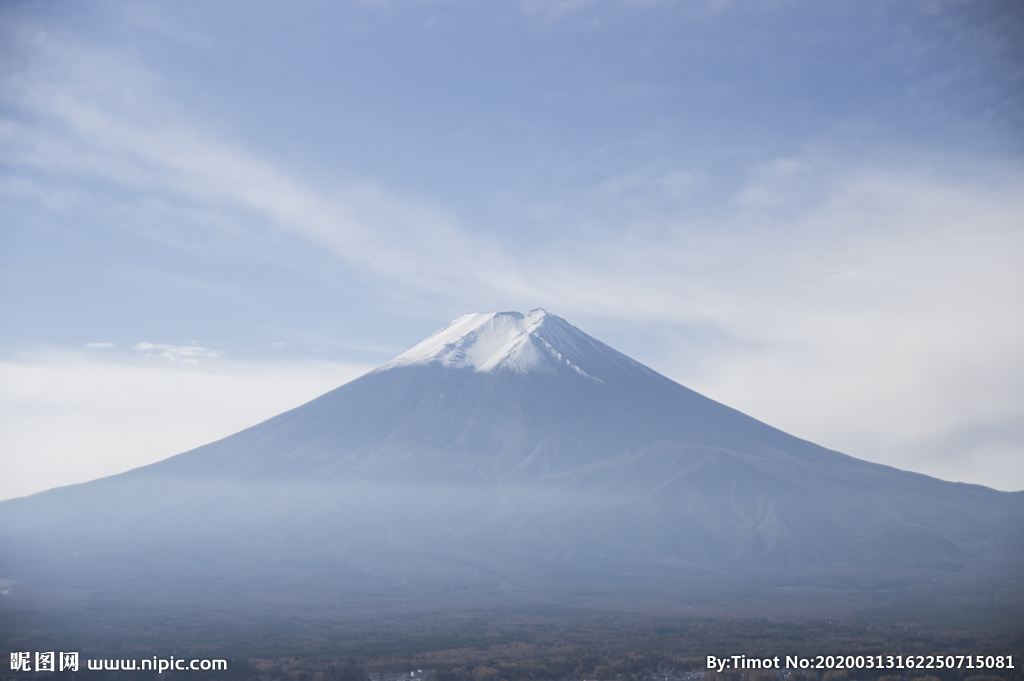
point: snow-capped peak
(500, 340)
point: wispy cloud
(105, 118)
(189, 354)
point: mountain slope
(515, 449)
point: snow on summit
(535, 341)
(483, 342)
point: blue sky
(211, 212)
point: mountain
(511, 457)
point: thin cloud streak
(190, 354)
(105, 132)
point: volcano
(511, 457)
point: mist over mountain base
(270, 606)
